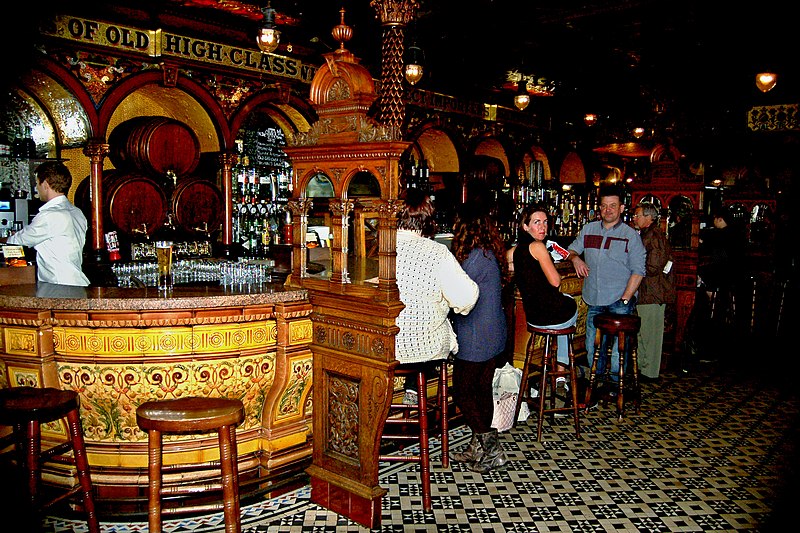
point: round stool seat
(20, 405)
(613, 324)
(193, 414)
(26, 409)
(550, 331)
(186, 415)
(624, 329)
(551, 371)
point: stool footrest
(58, 449)
(400, 458)
(190, 488)
(208, 465)
(199, 508)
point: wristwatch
(625, 301)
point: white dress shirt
(58, 233)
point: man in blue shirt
(613, 266)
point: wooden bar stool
(550, 370)
(26, 409)
(192, 415)
(625, 328)
(402, 415)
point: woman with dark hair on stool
(479, 248)
(431, 283)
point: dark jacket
(656, 287)
(482, 332)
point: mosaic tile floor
(709, 451)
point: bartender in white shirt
(58, 231)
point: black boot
(493, 455)
(471, 453)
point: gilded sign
(158, 43)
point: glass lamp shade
(638, 132)
(414, 73)
(522, 98)
(765, 81)
(268, 39)
(590, 119)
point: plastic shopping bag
(505, 389)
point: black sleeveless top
(544, 304)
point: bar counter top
(118, 347)
(64, 297)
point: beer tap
(203, 229)
(142, 231)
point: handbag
(505, 389)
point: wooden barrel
(154, 146)
(83, 198)
(133, 201)
(197, 203)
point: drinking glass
(164, 258)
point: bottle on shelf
(25, 146)
(5, 146)
(17, 150)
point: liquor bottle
(28, 149)
(5, 146)
(17, 149)
(285, 181)
(252, 184)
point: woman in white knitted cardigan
(431, 283)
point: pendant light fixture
(414, 68)
(590, 119)
(765, 81)
(522, 98)
(268, 36)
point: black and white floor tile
(709, 451)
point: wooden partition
(355, 301)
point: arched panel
(438, 149)
(171, 102)
(493, 148)
(363, 183)
(679, 221)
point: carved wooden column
(96, 150)
(387, 246)
(354, 319)
(395, 16)
(299, 209)
(341, 211)
(226, 161)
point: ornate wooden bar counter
(120, 347)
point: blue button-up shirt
(612, 256)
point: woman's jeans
(616, 308)
(562, 354)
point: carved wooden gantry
(353, 318)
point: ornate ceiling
(685, 67)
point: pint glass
(164, 257)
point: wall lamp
(268, 36)
(765, 81)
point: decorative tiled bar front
(120, 347)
